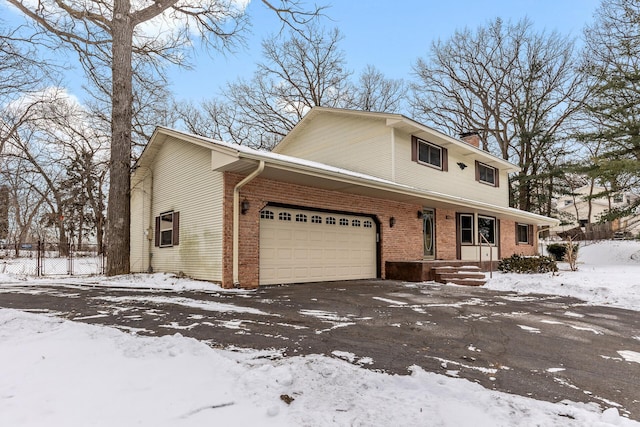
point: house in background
(346, 195)
(577, 211)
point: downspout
(236, 221)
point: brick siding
(403, 242)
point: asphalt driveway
(546, 347)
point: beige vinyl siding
(354, 143)
(458, 182)
(141, 231)
(184, 182)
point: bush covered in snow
(527, 264)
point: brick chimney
(472, 138)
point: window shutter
(517, 233)
(477, 171)
(445, 159)
(497, 175)
(414, 149)
(176, 228)
(157, 232)
(530, 231)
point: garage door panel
(315, 246)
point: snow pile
(608, 274)
(61, 373)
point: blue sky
(388, 34)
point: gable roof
(400, 122)
(243, 160)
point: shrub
(528, 264)
(559, 250)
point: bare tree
(517, 88)
(116, 35)
(305, 70)
(375, 92)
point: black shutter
(445, 159)
(157, 231)
(414, 148)
(176, 228)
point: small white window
(316, 219)
(355, 223)
(368, 224)
(429, 154)
(330, 220)
(301, 218)
(284, 216)
(266, 215)
(344, 221)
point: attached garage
(299, 245)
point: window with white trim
(466, 229)
(301, 218)
(316, 219)
(344, 221)
(487, 229)
(330, 220)
(167, 232)
(266, 215)
(284, 216)
(523, 234)
(486, 174)
(429, 154)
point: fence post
(70, 259)
(39, 259)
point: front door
(428, 229)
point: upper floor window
(167, 231)
(429, 154)
(618, 198)
(486, 174)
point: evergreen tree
(612, 63)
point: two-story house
(341, 196)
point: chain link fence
(51, 259)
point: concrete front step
(467, 275)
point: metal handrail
(490, 254)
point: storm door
(428, 232)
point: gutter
(236, 221)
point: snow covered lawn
(608, 274)
(61, 373)
(55, 372)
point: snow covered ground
(608, 274)
(55, 372)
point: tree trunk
(121, 116)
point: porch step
(467, 275)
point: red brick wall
(508, 244)
(402, 242)
(445, 234)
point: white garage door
(305, 246)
